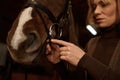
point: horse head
(38, 21)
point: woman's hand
(68, 52)
(53, 53)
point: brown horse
(38, 21)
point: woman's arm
(96, 69)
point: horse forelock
(19, 36)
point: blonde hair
(90, 17)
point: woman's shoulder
(93, 40)
(91, 45)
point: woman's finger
(60, 42)
(48, 49)
(54, 46)
(64, 48)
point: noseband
(56, 25)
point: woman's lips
(99, 20)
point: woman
(101, 59)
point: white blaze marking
(19, 36)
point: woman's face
(104, 12)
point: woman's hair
(90, 18)
(118, 10)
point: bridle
(57, 22)
(54, 20)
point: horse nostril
(31, 37)
(32, 42)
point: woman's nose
(97, 10)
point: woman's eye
(93, 7)
(103, 4)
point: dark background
(9, 10)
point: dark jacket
(102, 59)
